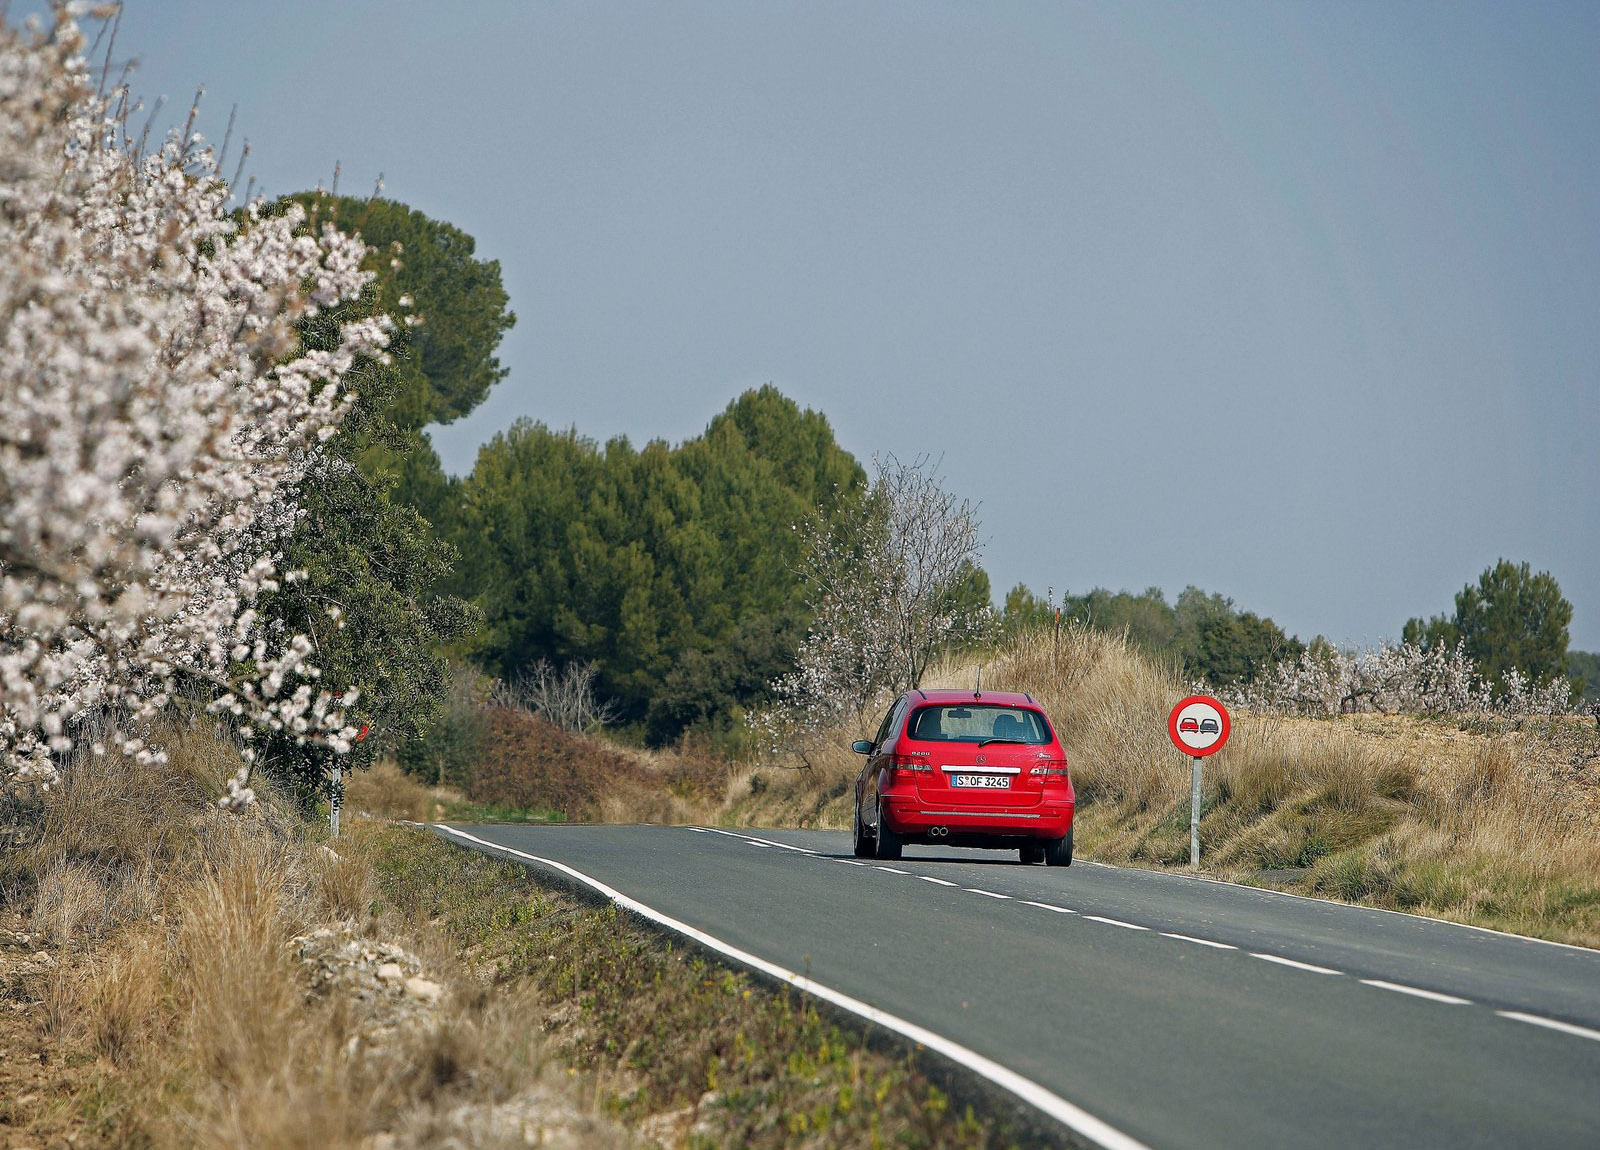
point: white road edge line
(891, 870)
(1029, 1091)
(1047, 906)
(1564, 1027)
(990, 893)
(1418, 992)
(1201, 941)
(1114, 922)
(1297, 965)
(940, 881)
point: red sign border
(1172, 725)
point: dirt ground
(41, 1078)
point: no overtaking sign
(1199, 726)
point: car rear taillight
(1053, 770)
(898, 763)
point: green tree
(1583, 667)
(372, 558)
(1439, 631)
(443, 345)
(1204, 635)
(445, 365)
(1024, 611)
(672, 569)
(1512, 618)
(1148, 620)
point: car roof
(999, 698)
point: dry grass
(386, 790)
(170, 929)
(530, 764)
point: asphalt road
(1177, 1011)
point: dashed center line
(1418, 992)
(1297, 965)
(1377, 983)
(1551, 1024)
(1199, 941)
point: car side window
(888, 722)
(891, 723)
(897, 718)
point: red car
(964, 769)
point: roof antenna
(978, 691)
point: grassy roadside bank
(172, 974)
(177, 975)
(1489, 821)
(683, 1050)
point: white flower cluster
(1402, 678)
(156, 415)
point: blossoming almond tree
(157, 420)
(885, 585)
(1396, 678)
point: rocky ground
(40, 1077)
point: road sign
(1199, 725)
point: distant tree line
(1511, 620)
(1202, 635)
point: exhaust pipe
(938, 832)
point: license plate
(1001, 782)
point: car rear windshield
(979, 722)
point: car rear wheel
(1032, 852)
(1058, 852)
(889, 843)
(865, 847)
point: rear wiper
(986, 742)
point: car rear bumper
(915, 818)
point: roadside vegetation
(1480, 818)
(178, 974)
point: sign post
(336, 800)
(1198, 726)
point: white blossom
(1403, 678)
(158, 416)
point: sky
(1296, 302)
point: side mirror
(861, 747)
